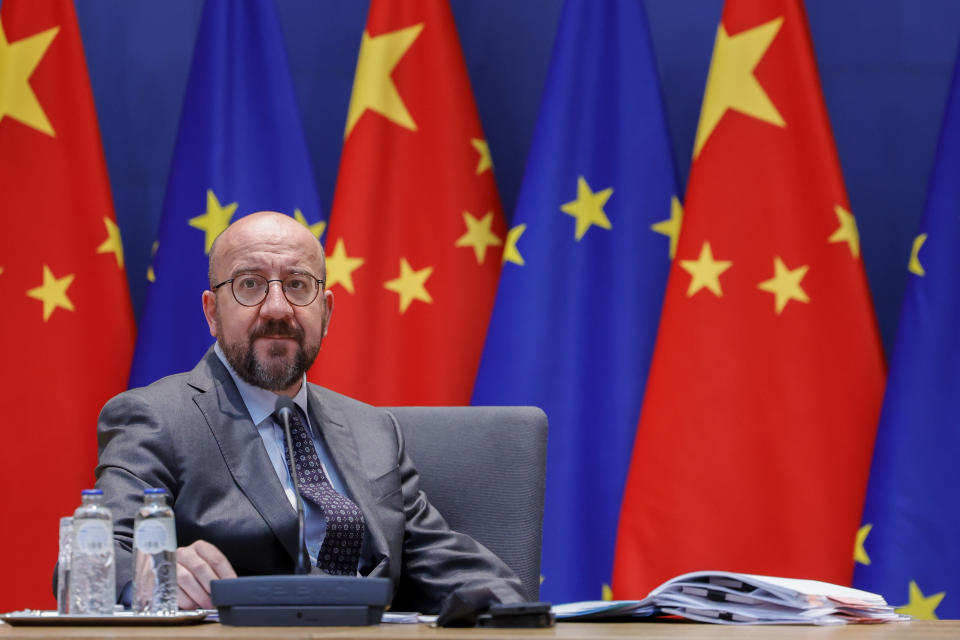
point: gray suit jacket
(191, 434)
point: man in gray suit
(209, 438)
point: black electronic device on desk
(531, 615)
(304, 600)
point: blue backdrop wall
(884, 65)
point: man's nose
(275, 305)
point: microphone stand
(303, 558)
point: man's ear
(328, 304)
(209, 301)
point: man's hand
(197, 565)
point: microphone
(284, 409)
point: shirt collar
(260, 402)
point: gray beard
(278, 377)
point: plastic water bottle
(64, 557)
(92, 572)
(154, 556)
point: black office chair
(484, 470)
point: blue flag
(240, 149)
(585, 267)
(908, 548)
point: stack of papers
(723, 597)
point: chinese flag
(68, 325)
(755, 436)
(416, 229)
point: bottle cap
(91, 492)
(155, 491)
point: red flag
(416, 229)
(756, 433)
(68, 325)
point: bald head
(263, 231)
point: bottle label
(155, 535)
(93, 536)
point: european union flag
(240, 149)
(586, 262)
(908, 548)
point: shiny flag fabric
(416, 228)
(240, 149)
(754, 442)
(68, 322)
(907, 546)
(585, 264)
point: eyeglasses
(250, 289)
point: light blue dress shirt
(260, 405)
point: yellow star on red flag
(479, 235)
(373, 86)
(847, 231)
(785, 284)
(18, 60)
(485, 162)
(705, 272)
(340, 267)
(731, 83)
(410, 285)
(64, 275)
(52, 293)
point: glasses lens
(300, 289)
(249, 289)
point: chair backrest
(484, 469)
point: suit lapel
(342, 446)
(242, 448)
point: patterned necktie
(340, 549)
